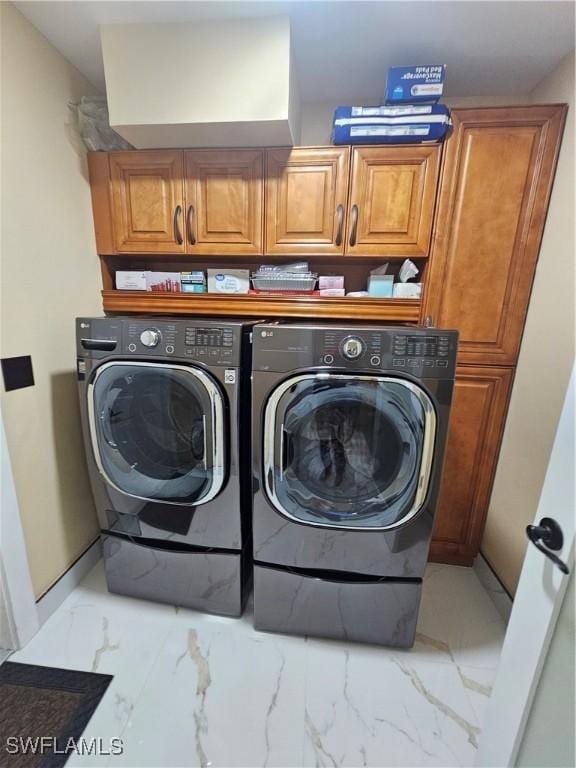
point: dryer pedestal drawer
(206, 581)
(381, 612)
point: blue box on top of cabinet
(407, 124)
(415, 85)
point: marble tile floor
(197, 690)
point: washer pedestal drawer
(206, 581)
(381, 612)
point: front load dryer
(165, 414)
(349, 430)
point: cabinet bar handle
(354, 227)
(177, 230)
(189, 230)
(340, 218)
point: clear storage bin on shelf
(269, 280)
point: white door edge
(16, 590)
(536, 607)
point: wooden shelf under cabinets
(381, 310)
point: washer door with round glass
(345, 451)
(157, 431)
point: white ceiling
(342, 50)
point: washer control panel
(150, 337)
(203, 341)
(424, 352)
(421, 352)
(421, 346)
(337, 347)
(209, 337)
(352, 347)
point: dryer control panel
(424, 353)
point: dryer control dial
(352, 347)
(150, 337)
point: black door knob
(547, 536)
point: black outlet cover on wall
(17, 372)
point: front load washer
(165, 414)
(349, 429)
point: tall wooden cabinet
(496, 180)
(476, 423)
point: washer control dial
(150, 337)
(352, 348)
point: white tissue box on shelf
(407, 290)
(130, 281)
(330, 282)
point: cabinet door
(306, 191)
(147, 201)
(476, 426)
(496, 181)
(392, 196)
(224, 191)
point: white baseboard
(56, 595)
(493, 586)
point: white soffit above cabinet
(209, 83)
(342, 49)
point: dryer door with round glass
(346, 451)
(157, 431)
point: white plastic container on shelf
(228, 280)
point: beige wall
(49, 275)
(544, 364)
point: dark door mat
(43, 712)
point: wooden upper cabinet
(391, 204)
(306, 190)
(476, 425)
(147, 201)
(304, 202)
(224, 201)
(496, 182)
